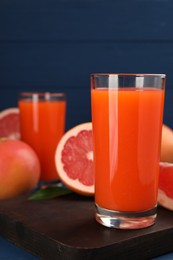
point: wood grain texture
(65, 228)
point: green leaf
(49, 193)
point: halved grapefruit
(9, 123)
(165, 192)
(74, 159)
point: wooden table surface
(65, 228)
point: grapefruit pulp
(74, 159)
(9, 123)
(165, 192)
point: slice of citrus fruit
(165, 192)
(74, 159)
(9, 123)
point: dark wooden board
(65, 228)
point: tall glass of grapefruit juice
(42, 123)
(127, 114)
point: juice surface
(42, 127)
(127, 134)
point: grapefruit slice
(9, 123)
(165, 192)
(74, 159)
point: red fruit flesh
(165, 192)
(9, 123)
(74, 159)
(166, 180)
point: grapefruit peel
(71, 143)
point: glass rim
(28, 93)
(161, 75)
(42, 95)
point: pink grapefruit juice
(127, 135)
(42, 126)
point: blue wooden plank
(97, 20)
(66, 67)
(63, 65)
(55, 45)
(168, 108)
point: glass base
(125, 220)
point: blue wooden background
(54, 45)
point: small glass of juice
(127, 116)
(42, 124)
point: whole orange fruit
(167, 144)
(19, 168)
